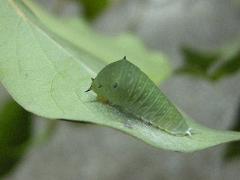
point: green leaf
(232, 150)
(15, 132)
(228, 67)
(197, 63)
(48, 77)
(93, 8)
(212, 66)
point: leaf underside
(46, 68)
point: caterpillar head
(107, 83)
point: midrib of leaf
(95, 63)
(40, 29)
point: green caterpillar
(124, 85)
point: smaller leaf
(15, 132)
(233, 149)
(93, 8)
(209, 65)
(199, 59)
(228, 67)
(197, 63)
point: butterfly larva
(124, 85)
